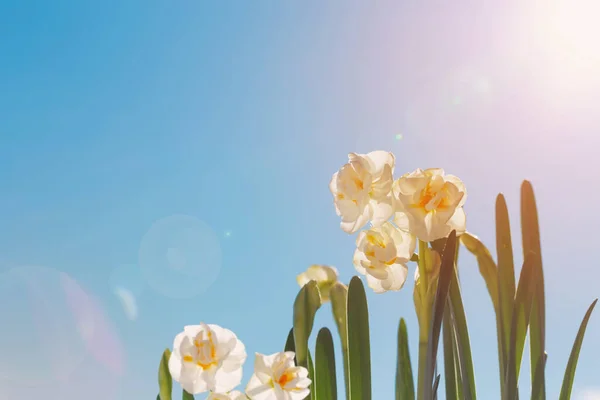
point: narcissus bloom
(276, 377)
(324, 275)
(429, 204)
(234, 395)
(362, 190)
(381, 255)
(207, 357)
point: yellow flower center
(205, 354)
(376, 240)
(286, 378)
(359, 184)
(431, 200)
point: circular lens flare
(180, 256)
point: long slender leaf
(531, 245)
(462, 339)
(405, 385)
(537, 384)
(165, 382)
(311, 375)
(519, 324)
(187, 396)
(306, 305)
(506, 283)
(567, 385)
(444, 280)
(359, 352)
(436, 384)
(289, 343)
(325, 374)
(487, 266)
(339, 305)
(451, 375)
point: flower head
(234, 395)
(429, 204)
(362, 190)
(207, 357)
(381, 255)
(276, 377)
(324, 275)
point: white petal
(375, 284)
(379, 159)
(359, 258)
(299, 395)
(458, 221)
(382, 211)
(257, 390)
(397, 274)
(227, 380)
(354, 225)
(175, 366)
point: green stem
(423, 344)
(422, 266)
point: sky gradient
(182, 154)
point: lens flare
(100, 337)
(38, 323)
(180, 256)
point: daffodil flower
(362, 190)
(382, 254)
(429, 204)
(207, 357)
(324, 275)
(234, 395)
(276, 377)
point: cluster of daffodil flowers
(393, 216)
(209, 358)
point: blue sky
(137, 132)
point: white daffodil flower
(234, 395)
(382, 254)
(207, 357)
(429, 204)
(362, 190)
(324, 275)
(276, 377)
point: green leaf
(339, 305)
(451, 374)
(537, 385)
(436, 384)
(311, 376)
(519, 324)
(506, 273)
(359, 352)
(187, 396)
(289, 343)
(306, 305)
(487, 266)
(441, 296)
(405, 386)
(530, 232)
(463, 354)
(567, 386)
(325, 373)
(165, 382)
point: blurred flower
(234, 395)
(429, 204)
(324, 275)
(381, 255)
(207, 357)
(362, 190)
(276, 377)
